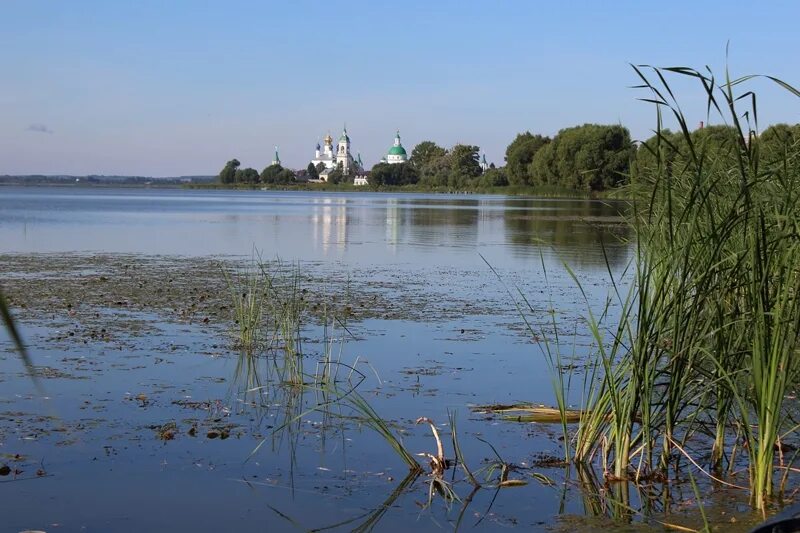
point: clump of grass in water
(269, 306)
(708, 332)
(285, 302)
(246, 287)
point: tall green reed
(722, 219)
(706, 339)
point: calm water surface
(113, 474)
(370, 228)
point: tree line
(432, 166)
(590, 158)
(273, 174)
(672, 150)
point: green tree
(380, 174)
(663, 148)
(519, 156)
(589, 157)
(464, 165)
(494, 177)
(406, 174)
(337, 175)
(781, 134)
(228, 173)
(542, 171)
(312, 171)
(425, 152)
(436, 172)
(247, 175)
(276, 174)
(287, 176)
(394, 175)
(777, 141)
(715, 141)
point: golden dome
(328, 139)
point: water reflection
(575, 229)
(357, 228)
(329, 224)
(456, 227)
(393, 222)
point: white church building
(340, 157)
(327, 158)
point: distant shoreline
(501, 191)
(320, 187)
(67, 185)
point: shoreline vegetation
(511, 190)
(541, 192)
(208, 184)
(591, 160)
(699, 374)
(588, 161)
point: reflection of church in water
(341, 158)
(330, 224)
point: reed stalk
(706, 340)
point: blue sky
(178, 88)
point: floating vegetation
(497, 471)
(522, 412)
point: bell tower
(343, 156)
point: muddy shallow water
(147, 417)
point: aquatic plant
(334, 337)
(268, 305)
(451, 416)
(246, 288)
(705, 345)
(373, 420)
(285, 304)
(720, 250)
(552, 348)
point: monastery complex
(327, 158)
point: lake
(149, 417)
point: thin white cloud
(39, 128)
